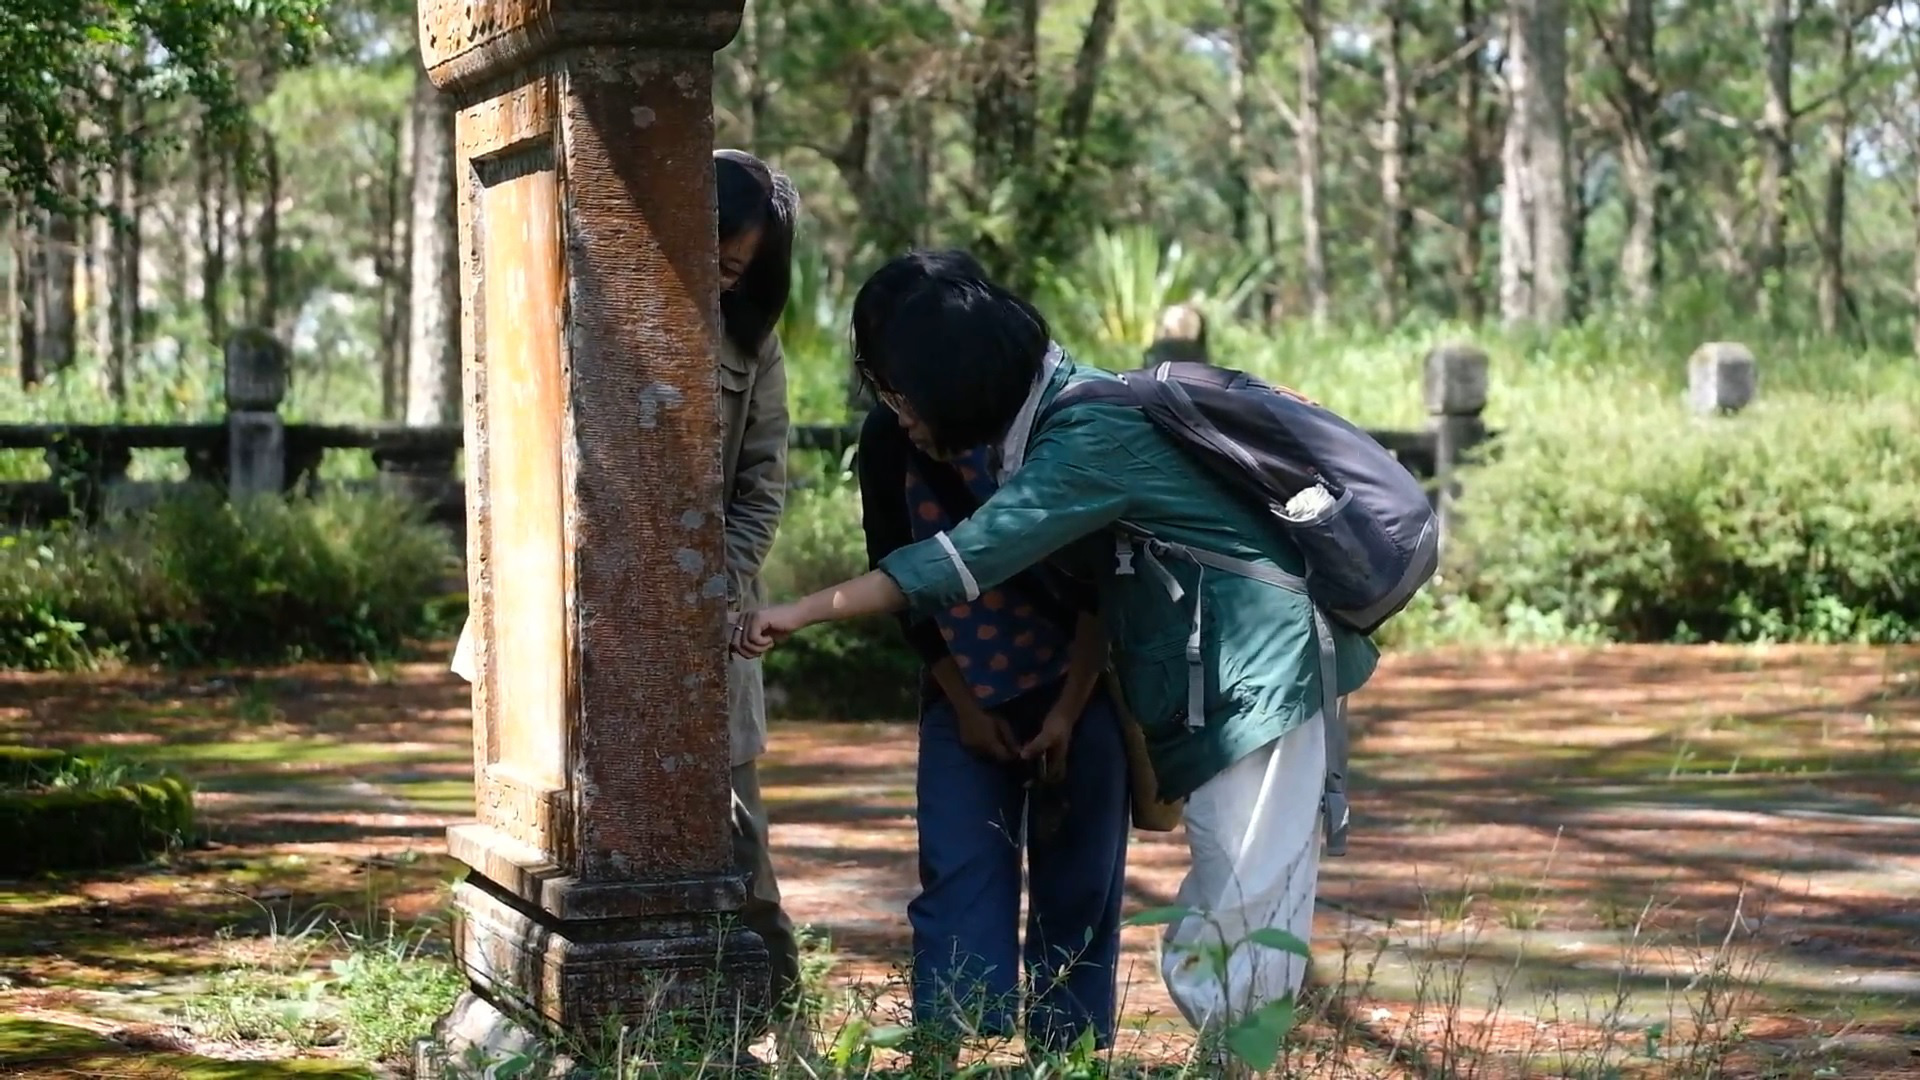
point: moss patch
(82, 827)
(44, 1051)
(26, 764)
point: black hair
(749, 195)
(964, 352)
(877, 300)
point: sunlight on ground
(1680, 854)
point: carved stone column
(601, 878)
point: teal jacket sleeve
(1072, 483)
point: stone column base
(699, 980)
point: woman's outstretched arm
(872, 593)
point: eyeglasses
(892, 399)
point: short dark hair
(878, 299)
(749, 195)
(964, 352)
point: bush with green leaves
(199, 580)
(1796, 521)
(843, 670)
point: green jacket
(1092, 466)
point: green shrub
(1608, 514)
(75, 812)
(199, 580)
(1799, 520)
(850, 670)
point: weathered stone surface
(256, 454)
(256, 371)
(1455, 380)
(476, 1040)
(464, 42)
(602, 862)
(1722, 377)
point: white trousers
(1253, 833)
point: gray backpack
(1363, 524)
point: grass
(369, 989)
(1673, 1008)
(39, 1050)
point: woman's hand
(757, 632)
(1050, 746)
(986, 734)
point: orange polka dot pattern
(1002, 645)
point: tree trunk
(1239, 117)
(10, 297)
(240, 171)
(1047, 214)
(1832, 291)
(1549, 158)
(271, 286)
(1516, 175)
(1578, 288)
(1396, 145)
(1313, 211)
(129, 189)
(1640, 157)
(395, 278)
(211, 180)
(1475, 169)
(744, 62)
(1916, 246)
(96, 271)
(1004, 93)
(1536, 240)
(1776, 163)
(27, 269)
(433, 348)
(1004, 113)
(55, 323)
(893, 206)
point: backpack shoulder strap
(1102, 391)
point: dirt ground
(1686, 860)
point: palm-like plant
(1127, 278)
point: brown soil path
(1550, 849)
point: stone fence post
(1181, 336)
(256, 435)
(1454, 387)
(1722, 378)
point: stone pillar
(1455, 389)
(1181, 337)
(256, 436)
(601, 882)
(1721, 378)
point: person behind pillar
(1021, 753)
(756, 211)
(971, 363)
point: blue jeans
(975, 818)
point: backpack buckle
(1122, 556)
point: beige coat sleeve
(758, 489)
(463, 651)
